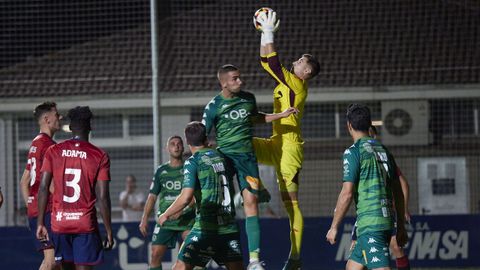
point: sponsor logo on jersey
(236, 114)
(170, 198)
(74, 153)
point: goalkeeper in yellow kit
(284, 150)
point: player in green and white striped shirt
(215, 233)
(166, 185)
(370, 179)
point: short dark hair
(174, 137)
(43, 108)
(80, 118)
(225, 69)
(373, 130)
(313, 63)
(358, 115)
(196, 133)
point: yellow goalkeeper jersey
(291, 91)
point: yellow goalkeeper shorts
(285, 156)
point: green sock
(252, 226)
(155, 268)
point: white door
(443, 186)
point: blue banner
(435, 241)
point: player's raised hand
(269, 22)
(42, 233)
(332, 235)
(143, 227)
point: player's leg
(249, 183)
(295, 217)
(234, 265)
(49, 251)
(180, 265)
(63, 250)
(87, 250)
(162, 240)
(356, 260)
(48, 262)
(288, 170)
(192, 253)
(252, 225)
(370, 250)
(229, 252)
(353, 265)
(401, 260)
(157, 254)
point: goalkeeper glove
(269, 25)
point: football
(263, 10)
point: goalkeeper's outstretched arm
(269, 25)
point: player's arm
(182, 201)
(351, 172)
(406, 193)
(1, 197)
(269, 25)
(42, 233)
(343, 204)
(105, 204)
(270, 117)
(25, 185)
(146, 213)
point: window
(140, 125)
(107, 126)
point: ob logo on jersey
(173, 185)
(236, 114)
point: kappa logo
(59, 216)
(195, 238)
(345, 161)
(375, 259)
(373, 250)
(371, 240)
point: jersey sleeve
(271, 63)
(104, 171)
(351, 165)
(208, 117)
(156, 186)
(47, 161)
(190, 174)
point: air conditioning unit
(405, 122)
